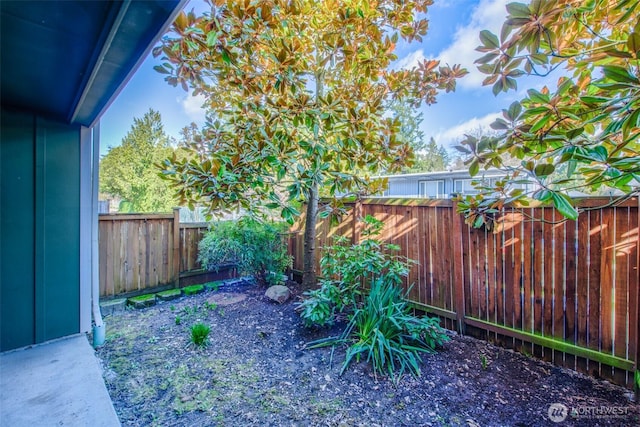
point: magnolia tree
(296, 92)
(581, 135)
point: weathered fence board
(190, 236)
(136, 252)
(565, 291)
(145, 251)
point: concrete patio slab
(57, 384)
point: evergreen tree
(432, 158)
(130, 171)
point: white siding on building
(439, 185)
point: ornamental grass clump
(363, 283)
(200, 335)
(384, 332)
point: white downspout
(98, 323)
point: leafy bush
(256, 248)
(349, 269)
(318, 307)
(364, 281)
(386, 333)
(200, 334)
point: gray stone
(110, 307)
(142, 301)
(278, 293)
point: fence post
(637, 371)
(357, 214)
(458, 267)
(176, 246)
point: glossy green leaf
(489, 39)
(544, 169)
(497, 87)
(474, 168)
(594, 99)
(633, 44)
(631, 122)
(212, 38)
(619, 74)
(563, 204)
(573, 133)
(514, 110)
(499, 124)
(543, 195)
(540, 123)
(225, 57)
(538, 97)
(518, 10)
(486, 58)
(161, 69)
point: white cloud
(192, 106)
(453, 135)
(487, 15)
(409, 61)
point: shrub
(200, 334)
(317, 309)
(386, 333)
(256, 248)
(349, 269)
(363, 281)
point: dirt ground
(255, 371)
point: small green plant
(172, 307)
(317, 309)
(178, 319)
(483, 362)
(211, 306)
(200, 335)
(190, 310)
(257, 248)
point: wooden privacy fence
(564, 291)
(145, 251)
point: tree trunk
(309, 262)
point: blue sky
(453, 35)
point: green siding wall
(40, 217)
(17, 234)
